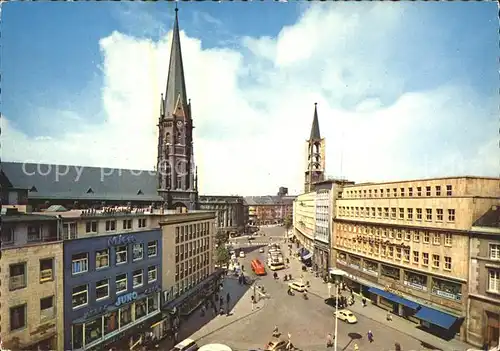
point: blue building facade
(112, 287)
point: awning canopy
(336, 271)
(441, 319)
(304, 252)
(307, 257)
(395, 298)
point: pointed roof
(176, 85)
(315, 135)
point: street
(308, 321)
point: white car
(242, 254)
(300, 287)
(261, 250)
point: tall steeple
(176, 169)
(315, 135)
(176, 84)
(315, 155)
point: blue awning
(441, 319)
(394, 298)
(308, 256)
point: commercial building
(483, 325)
(304, 222)
(31, 283)
(404, 245)
(229, 210)
(269, 210)
(189, 275)
(112, 279)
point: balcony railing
(46, 275)
(47, 313)
(17, 282)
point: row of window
(34, 234)
(193, 248)
(186, 268)
(111, 225)
(80, 261)
(399, 213)
(18, 314)
(186, 284)
(80, 294)
(92, 332)
(18, 277)
(191, 231)
(399, 234)
(397, 253)
(401, 192)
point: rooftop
(491, 219)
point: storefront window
(371, 267)
(415, 281)
(125, 315)
(446, 289)
(153, 303)
(110, 322)
(391, 272)
(77, 336)
(140, 309)
(355, 262)
(342, 257)
(93, 330)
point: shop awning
(307, 257)
(304, 252)
(441, 319)
(336, 271)
(395, 298)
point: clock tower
(177, 174)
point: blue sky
(424, 73)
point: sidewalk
(239, 312)
(375, 313)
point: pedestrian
(289, 337)
(397, 347)
(389, 316)
(356, 347)
(370, 336)
(253, 301)
(329, 340)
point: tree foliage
(287, 222)
(222, 255)
(221, 238)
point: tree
(221, 238)
(222, 255)
(287, 222)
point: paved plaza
(309, 321)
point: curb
(233, 322)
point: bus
(258, 268)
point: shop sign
(95, 311)
(152, 289)
(126, 298)
(121, 240)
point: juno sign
(126, 298)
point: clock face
(180, 124)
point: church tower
(177, 174)
(315, 155)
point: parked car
(242, 254)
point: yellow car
(300, 287)
(346, 316)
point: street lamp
(336, 313)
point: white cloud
(253, 109)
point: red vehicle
(258, 268)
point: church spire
(315, 134)
(176, 85)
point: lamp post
(336, 314)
